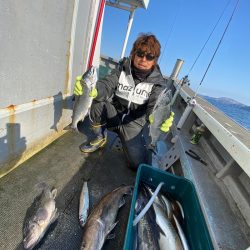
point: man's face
(144, 60)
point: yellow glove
(151, 119)
(167, 123)
(93, 93)
(78, 89)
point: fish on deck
(101, 221)
(84, 204)
(41, 215)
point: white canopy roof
(127, 4)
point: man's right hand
(78, 89)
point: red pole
(99, 18)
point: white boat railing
(225, 134)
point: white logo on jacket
(127, 90)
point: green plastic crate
(181, 189)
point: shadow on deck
(63, 166)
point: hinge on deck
(166, 160)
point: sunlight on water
(236, 113)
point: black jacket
(107, 86)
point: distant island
(225, 101)
(237, 111)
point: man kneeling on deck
(124, 100)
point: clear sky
(182, 27)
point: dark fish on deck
(83, 102)
(42, 214)
(101, 221)
(160, 113)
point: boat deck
(227, 227)
(63, 166)
(241, 133)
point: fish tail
(71, 128)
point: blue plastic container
(182, 190)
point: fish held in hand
(160, 113)
(83, 102)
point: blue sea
(238, 113)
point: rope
(209, 37)
(170, 33)
(97, 28)
(216, 49)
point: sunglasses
(148, 56)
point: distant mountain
(225, 101)
(237, 111)
(246, 108)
